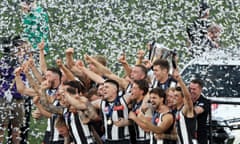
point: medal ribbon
(136, 106)
(155, 116)
(110, 111)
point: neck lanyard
(110, 108)
(155, 115)
(136, 106)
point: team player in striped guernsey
(162, 78)
(53, 76)
(185, 117)
(163, 120)
(138, 91)
(81, 132)
(115, 114)
(79, 128)
(137, 72)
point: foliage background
(110, 27)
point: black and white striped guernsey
(186, 128)
(169, 83)
(156, 120)
(81, 133)
(54, 135)
(141, 135)
(119, 110)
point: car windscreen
(219, 80)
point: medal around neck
(109, 121)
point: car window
(219, 80)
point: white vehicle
(220, 70)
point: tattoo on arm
(32, 83)
(44, 101)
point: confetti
(108, 27)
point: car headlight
(222, 123)
(234, 123)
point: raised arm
(21, 88)
(66, 71)
(92, 75)
(80, 103)
(35, 86)
(35, 71)
(69, 57)
(104, 70)
(81, 75)
(45, 100)
(43, 65)
(75, 70)
(188, 108)
(123, 61)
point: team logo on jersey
(106, 110)
(178, 116)
(117, 108)
(156, 120)
(137, 111)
